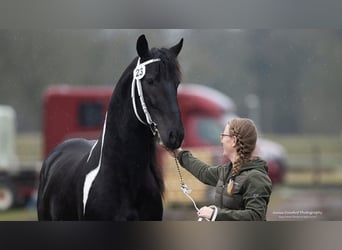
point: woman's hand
(205, 212)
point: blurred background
(287, 81)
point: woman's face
(228, 143)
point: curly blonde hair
(246, 136)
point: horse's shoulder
(70, 152)
(77, 144)
(74, 146)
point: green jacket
(252, 189)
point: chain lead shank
(183, 186)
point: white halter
(139, 73)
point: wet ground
(288, 203)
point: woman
(243, 187)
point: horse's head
(159, 83)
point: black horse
(116, 177)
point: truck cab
(203, 110)
(17, 182)
(8, 158)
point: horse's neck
(125, 136)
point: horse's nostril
(172, 137)
(175, 139)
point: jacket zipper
(224, 183)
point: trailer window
(209, 130)
(90, 114)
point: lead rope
(183, 186)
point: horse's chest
(125, 198)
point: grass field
(312, 159)
(311, 152)
(306, 144)
(19, 214)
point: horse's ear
(142, 46)
(177, 48)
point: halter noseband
(138, 74)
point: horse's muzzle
(174, 139)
